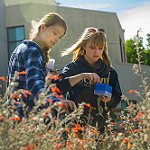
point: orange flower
(61, 104)
(15, 96)
(55, 77)
(40, 135)
(50, 110)
(55, 122)
(58, 90)
(50, 100)
(59, 96)
(17, 118)
(94, 108)
(141, 122)
(25, 96)
(130, 145)
(131, 106)
(53, 89)
(26, 92)
(135, 118)
(3, 79)
(126, 140)
(90, 139)
(50, 131)
(75, 135)
(131, 91)
(88, 105)
(32, 118)
(22, 72)
(1, 118)
(121, 125)
(94, 131)
(140, 114)
(71, 147)
(68, 143)
(58, 145)
(137, 130)
(114, 123)
(11, 130)
(29, 147)
(14, 118)
(45, 115)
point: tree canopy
(131, 51)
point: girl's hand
(53, 71)
(92, 76)
(105, 98)
(66, 104)
(77, 78)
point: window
(120, 41)
(15, 36)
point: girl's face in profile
(51, 35)
(93, 53)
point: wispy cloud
(91, 6)
(134, 19)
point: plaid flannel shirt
(28, 57)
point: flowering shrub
(42, 131)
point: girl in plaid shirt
(32, 55)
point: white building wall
(3, 45)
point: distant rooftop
(18, 2)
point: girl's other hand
(68, 103)
(105, 99)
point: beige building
(15, 23)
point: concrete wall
(3, 45)
(77, 20)
(131, 81)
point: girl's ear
(43, 26)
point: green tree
(148, 40)
(131, 51)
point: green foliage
(148, 40)
(131, 52)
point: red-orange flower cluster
(15, 96)
(22, 72)
(16, 118)
(131, 91)
(3, 79)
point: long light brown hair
(97, 38)
(49, 19)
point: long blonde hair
(97, 38)
(49, 19)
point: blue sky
(132, 14)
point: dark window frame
(8, 42)
(121, 49)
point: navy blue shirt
(84, 90)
